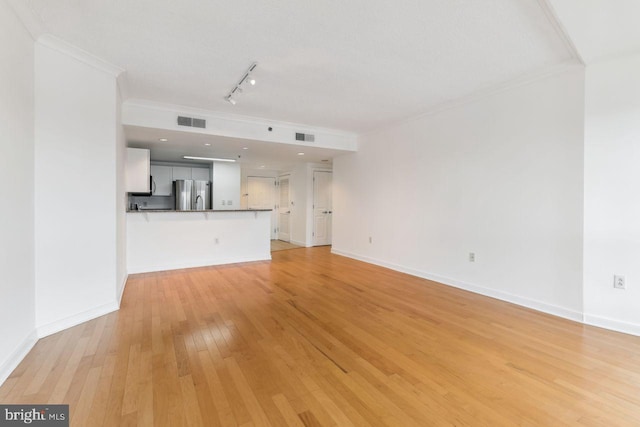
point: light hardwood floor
(316, 339)
(279, 245)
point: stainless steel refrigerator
(201, 195)
(192, 195)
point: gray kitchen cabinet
(200, 174)
(181, 172)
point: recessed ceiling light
(207, 144)
(245, 148)
(163, 140)
(262, 167)
(211, 159)
(300, 154)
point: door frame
(313, 207)
(288, 177)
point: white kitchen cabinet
(200, 174)
(162, 180)
(137, 170)
(180, 172)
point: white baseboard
(123, 283)
(76, 319)
(18, 354)
(295, 242)
(612, 324)
(135, 269)
(504, 296)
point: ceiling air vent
(191, 122)
(185, 121)
(199, 123)
(306, 137)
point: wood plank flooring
(314, 339)
(279, 245)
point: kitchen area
(188, 214)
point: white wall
(17, 286)
(299, 194)
(226, 186)
(76, 170)
(501, 177)
(121, 202)
(612, 193)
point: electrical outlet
(229, 202)
(370, 239)
(224, 203)
(472, 257)
(216, 241)
(619, 282)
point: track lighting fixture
(246, 78)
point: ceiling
(350, 65)
(257, 155)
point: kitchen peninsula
(164, 240)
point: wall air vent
(306, 137)
(191, 122)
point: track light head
(246, 78)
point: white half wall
(159, 241)
(76, 184)
(17, 287)
(501, 177)
(612, 193)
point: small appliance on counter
(192, 195)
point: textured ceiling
(351, 65)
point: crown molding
(59, 45)
(122, 81)
(482, 94)
(560, 29)
(30, 20)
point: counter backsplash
(151, 202)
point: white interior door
(284, 210)
(322, 208)
(261, 195)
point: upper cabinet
(180, 172)
(162, 177)
(161, 180)
(200, 174)
(137, 170)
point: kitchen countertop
(200, 211)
